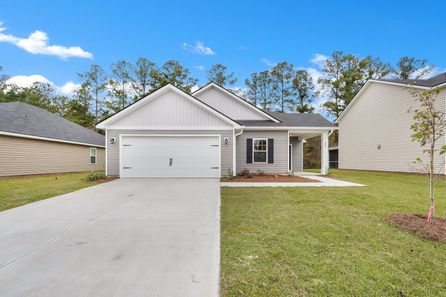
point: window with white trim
(260, 150)
(93, 155)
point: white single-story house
(36, 141)
(209, 133)
(375, 128)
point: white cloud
(199, 48)
(242, 48)
(66, 89)
(268, 62)
(319, 60)
(435, 71)
(37, 43)
(199, 67)
(194, 88)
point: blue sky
(247, 36)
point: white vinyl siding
(228, 105)
(375, 133)
(280, 164)
(170, 110)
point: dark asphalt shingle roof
(22, 118)
(291, 120)
(430, 82)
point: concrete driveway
(131, 237)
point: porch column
(299, 156)
(324, 153)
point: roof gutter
(240, 133)
(247, 128)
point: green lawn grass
(330, 241)
(17, 191)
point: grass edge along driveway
(21, 190)
(330, 241)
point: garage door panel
(170, 156)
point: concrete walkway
(320, 181)
(131, 237)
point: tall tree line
(283, 88)
(100, 93)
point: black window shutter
(249, 150)
(270, 150)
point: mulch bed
(107, 179)
(270, 179)
(417, 224)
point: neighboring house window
(260, 150)
(93, 155)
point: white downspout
(234, 155)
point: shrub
(230, 173)
(92, 176)
(244, 172)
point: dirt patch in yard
(417, 224)
(269, 179)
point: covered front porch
(296, 142)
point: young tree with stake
(428, 127)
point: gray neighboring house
(35, 141)
(374, 129)
(209, 133)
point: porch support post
(324, 153)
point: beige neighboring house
(35, 141)
(374, 129)
(209, 133)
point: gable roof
(21, 119)
(154, 94)
(436, 81)
(236, 97)
(313, 120)
(430, 82)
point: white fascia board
(308, 129)
(106, 123)
(167, 128)
(48, 139)
(258, 110)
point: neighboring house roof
(147, 98)
(33, 121)
(436, 81)
(236, 97)
(292, 120)
(430, 82)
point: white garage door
(170, 156)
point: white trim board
(291, 129)
(48, 139)
(163, 128)
(169, 87)
(258, 110)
